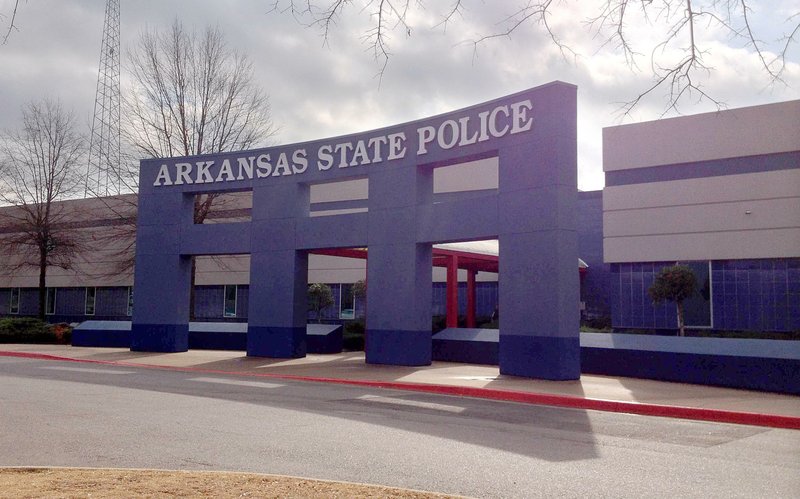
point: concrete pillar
(276, 324)
(399, 271)
(538, 280)
(162, 277)
(279, 274)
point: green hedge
(30, 330)
(353, 336)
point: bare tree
(677, 59)
(41, 164)
(191, 94)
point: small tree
(320, 296)
(675, 283)
(359, 290)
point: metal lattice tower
(103, 175)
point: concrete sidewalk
(616, 394)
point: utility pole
(103, 174)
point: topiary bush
(676, 284)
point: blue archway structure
(532, 214)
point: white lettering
(282, 166)
(324, 158)
(245, 168)
(462, 131)
(163, 177)
(182, 173)
(426, 135)
(225, 172)
(360, 156)
(484, 136)
(440, 135)
(464, 122)
(263, 166)
(521, 121)
(496, 132)
(299, 161)
(342, 150)
(397, 148)
(375, 143)
(203, 174)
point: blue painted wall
(111, 303)
(760, 295)
(596, 282)
(755, 295)
(485, 298)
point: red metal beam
(360, 253)
(471, 297)
(452, 291)
(478, 262)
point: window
(338, 198)
(464, 177)
(13, 306)
(697, 308)
(50, 301)
(346, 302)
(225, 207)
(230, 301)
(130, 301)
(91, 295)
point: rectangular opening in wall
(230, 293)
(223, 207)
(337, 284)
(89, 304)
(221, 288)
(13, 306)
(465, 285)
(219, 270)
(50, 301)
(474, 176)
(339, 198)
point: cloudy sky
(322, 89)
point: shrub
(26, 330)
(353, 336)
(62, 332)
(596, 324)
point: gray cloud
(319, 90)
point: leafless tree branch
(11, 25)
(676, 62)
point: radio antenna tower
(103, 176)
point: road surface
(70, 414)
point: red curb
(679, 412)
